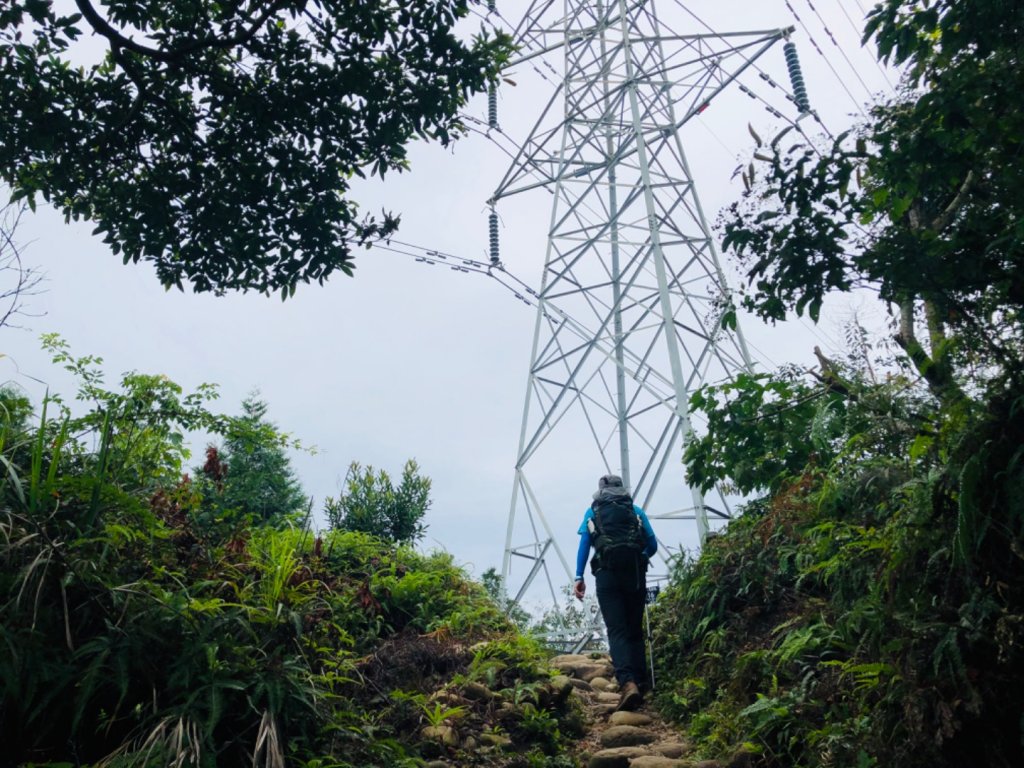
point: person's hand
(579, 589)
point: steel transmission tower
(632, 296)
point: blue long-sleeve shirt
(583, 553)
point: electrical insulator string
(796, 77)
(492, 107)
(828, 62)
(768, 106)
(493, 238)
(825, 58)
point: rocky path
(638, 739)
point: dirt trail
(638, 739)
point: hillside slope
(140, 643)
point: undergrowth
(869, 612)
(136, 632)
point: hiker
(623, 542)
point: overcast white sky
(408, 360)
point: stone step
(672, 749)
(638, 719)
(655, 761)
(618, 757)
(626, 736)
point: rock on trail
(620, 739)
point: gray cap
(609, 481)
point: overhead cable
(862, 8)
(433, 257)
(842, 53)
(859, 32)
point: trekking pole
(652, 594)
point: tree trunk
(935, 371)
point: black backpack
(617, 535)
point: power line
(842, 53)
(814, 329)
(764, 75)
(487, 133)
(524, 293)
(716, 137)
(432, 257)
(859, 32)
(769, 107)
(485, 18)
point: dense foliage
(218, 140)
(135, 632)
(868, 609)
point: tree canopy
(371, 503)
(923, 203)
(218, 140)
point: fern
(969, 526)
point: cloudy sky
(408, 360)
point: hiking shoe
(631, 698)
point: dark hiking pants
(621, 597)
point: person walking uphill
(623, 543)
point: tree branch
(830, 375)
(906, 331)
(26, 280)
(936, 328)
(943, 219)
(104, 28)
